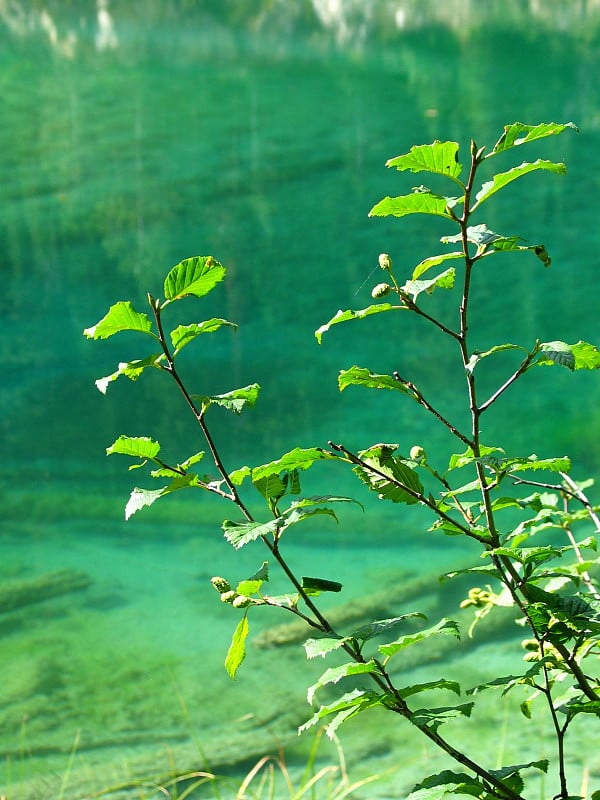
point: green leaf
(440, 158)
(581, 355)
(372, 629)
(434, 261)
(445, 280)
(477, 356)
(502, 179)
(416, 203)
(561, 464)
(139, 498)
(527, 133)
(459, 460)
(184, 334)
(193, 276)
(347, 316)
(432, 718)
(235, 401)
(237, 648)
(238, 476)
(131, 370)
(442, 683)
(240, 533)
(361, 376)
(389, 476)
(321, 647)
(317, 585)
(344, 708)
(120, 317)
(444, 626)
(335, 674)
(298, 458)
(135, 446)
(445, 783)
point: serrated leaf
(131, 370)
(193, 276)
(361, 376)
(445, 783)
(235, 401)
(140, 498)
(432, 718)
(416, 203)
(135, 446)
(372, 629)
(459, 460)
(445, 280)
(387, 475)
(237, 648)
(298, 458)
(241, 533)
(440, 158)
(184, 334)
(587, 356)
(434, 261)
(518, 134)
(335, 674)
(581, 355)
(561, 464)
(122, 316)
(502, 179)
(345, 707)
(428, 686)
(321, 647)
(444, 626)
(349, 315)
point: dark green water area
(136, 134)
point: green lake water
(137, 134)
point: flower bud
(220, 584)
(417, 453)
(228, 597)
(385, 262)
(241, 601)
(380, 290)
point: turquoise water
(133, 139)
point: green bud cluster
(417, 453)
(478, 598)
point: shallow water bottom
(123, 679)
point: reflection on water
(136, 134)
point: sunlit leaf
(344, 708)
(428, 686)
(445, 280)
(388, 475)
(372, 629)
(434, 261)
(416, 203)
(235, 401)
(432, 718)
(446, 783)
(335, 674)
(140, 498)
(237, 648)
(518, 133)
(131, 370)
(184, 334)
(120, 317)
(502, 179)
(321, 647)
(317, 585)
(439, 157)
(477, 356)
(361, 376)
(298, 458)
(581, 355)
(347, 316)
(240, 533)
(444, 626)
(193, 276)
(135, 446)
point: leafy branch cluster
(544, 566)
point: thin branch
(525, 364)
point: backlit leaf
(387, 475)
(184, 334)
(131, 370)
(416, 203)
(235, 401)
(361, 376)
(581, 355)
(502, 179)
(335, 674)
(135, 446)
(193, 276)
(446, 783)
(237, 648)
(120, 317)
(433, 261)
(445, 280)
(347, 316)
(439, 157)
(444, 626)
(298, 458)
(518, 133)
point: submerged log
(19, 593)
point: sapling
(543, 566)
